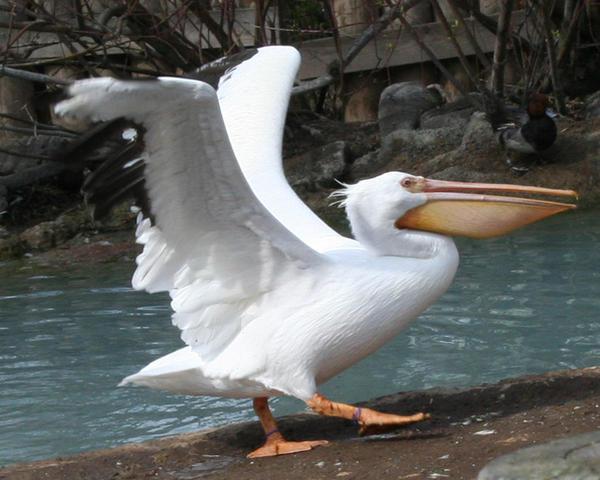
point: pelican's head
(378, 207)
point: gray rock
(592, 106)
(478, 133)
(318, 168)
(46, 235)
(41, 237)
(367, 165)
(443, 119)
(573, 458)
(454, 114)
(404, 149)
(402, 104)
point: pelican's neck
(391, 241)
(434, 253)
(418, 244)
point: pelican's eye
(413, 184)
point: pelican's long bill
(469, 210)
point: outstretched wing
(254, 96)
(213, 245)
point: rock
(592, 106)
(12, 247)
(49, 234)
(442, 119)
(40, 237)
(45, 235)
(402, 104)
(406, 150)
(367, 165)
(478, 133)
(452, 114)
(318, 168)
(575, 457)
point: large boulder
(402, 104)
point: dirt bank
(469, 428)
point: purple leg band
(356, 415)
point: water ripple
(67, 339)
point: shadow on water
(526, 303)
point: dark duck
(525, 132)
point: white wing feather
(215, 247)
(254, 97)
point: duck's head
(538, 105)
(395, 201)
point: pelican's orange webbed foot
(371, 421)
(275, 444)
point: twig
(376, 27)
(433, 58)
(335, 69)
(487, 22)
(551, 52)
(469, 36)
(570, 35)
(461, 56)
(213, 27)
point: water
(526, 303)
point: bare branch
(552, 62)
(570, 34)
(376, 27)
(315, 84)
(214, 28)
(432, 57)
(335, 70)
(470, 38)
(463, 61)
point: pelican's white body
(269, 299)
(311, 328)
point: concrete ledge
(470, 428)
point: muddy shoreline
(469, 428)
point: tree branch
(337, 67)
(432, 57)
(471, 39)
(463, 60)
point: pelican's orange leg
(275, 444)
(371, 421)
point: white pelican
(269, 299)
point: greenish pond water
(526, 303)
